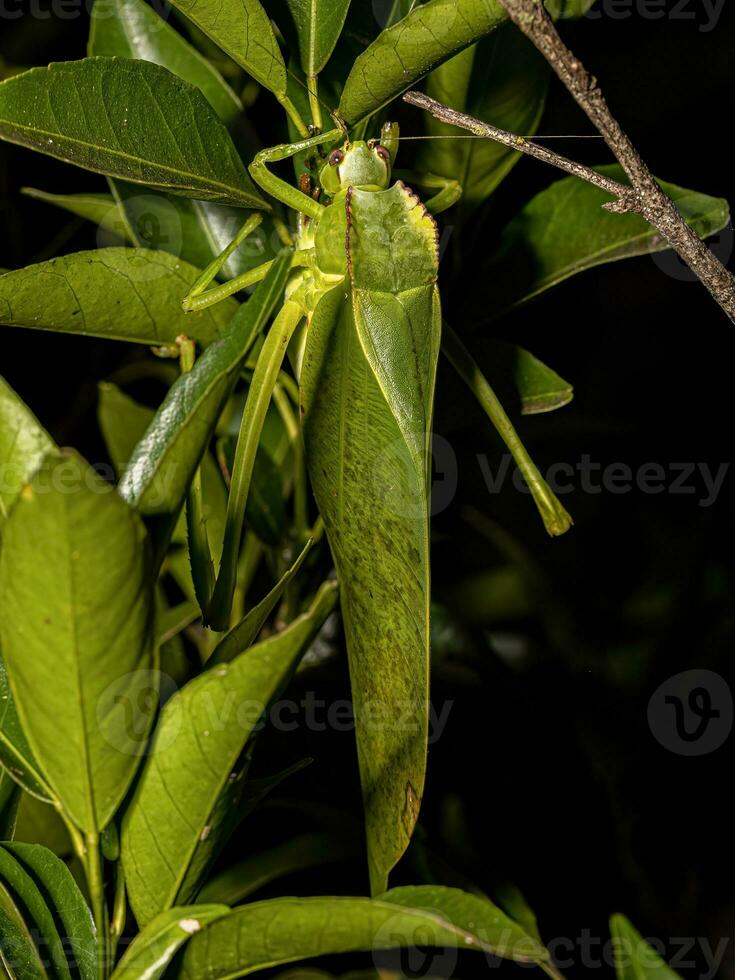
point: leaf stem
(294, 115)
(77, 840)
(627, 199)
(551, 970)
(119, 913)
(312, 85)
(555, 518)
(95, 882)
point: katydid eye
(335, 158)
(383, 153)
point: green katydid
(365, 268)
(364, 264)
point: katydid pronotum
(362, 323)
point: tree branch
(650, 201)
(626, 197)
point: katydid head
(359, 164)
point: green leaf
(564, 230)
(502, 78)
(132, 29)
(197, 743)
(162, 465)
(429, 35)
(540, 388)
(55, 881)
(520, 379)
(195, 231)
(634, 958)
(244, 634)
(100, 209)
(173, 620)
(23, 446)
(38, 914)
(283, 930)
(39, 823)
(265, 510)
(301, 853)
(555, 517)
(512, 901)
(10, 796)
(92, 634)
(18, 952)
(242, 30)
(122, 421)
(15, 752)
(389, 12)
(257, 790)
(128, 119)
(152, 950)
(116, 293)
(319, 24)
(367, 385)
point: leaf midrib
(568, 269)
(191, 851)
(197, 183)
(471, 940)
(77, 670)
(196, 57)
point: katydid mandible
(364, 282)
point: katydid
(365, 264)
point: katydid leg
(280, 189)
(202, 569)
(193, 303)
(263, 382)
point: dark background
(548, 774)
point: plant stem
(295, 116)
(652, 203)
(312, 84)
(119, 910)
(555, 518)
(87, 849)
(627, 200)
(552, 971)
(77, 840)
(96, 885)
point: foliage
(150, 624)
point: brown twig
(644, 196)
(626, 198)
